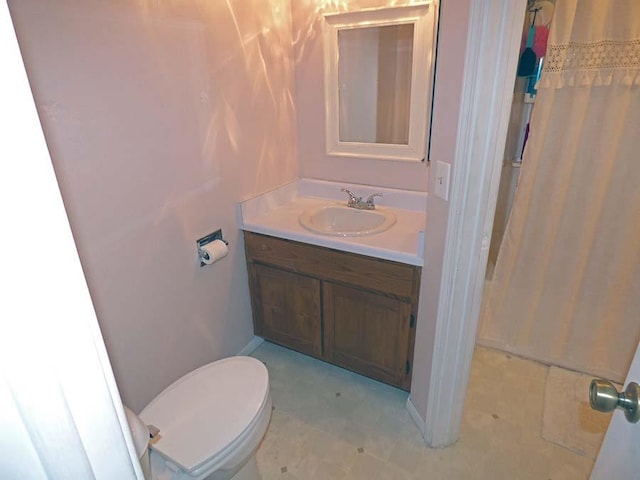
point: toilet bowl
(211, 422)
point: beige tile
(390, 471)
(354, 433)
(379, 444)
(319, 442)
(366, 467)
(341, 454)
(304, 464)
(409, 456)
(328, 471)
(366, 432)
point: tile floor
(329, 423)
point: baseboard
(251, 346)
(415, 416)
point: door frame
(492, 52)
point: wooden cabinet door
(367, 332)
(286, 308)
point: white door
(619, 455)
(60, 412)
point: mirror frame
(423, 18)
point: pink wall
(159, 120)
(454, 25)
(309, 100)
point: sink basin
(344, 221)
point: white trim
(490, 63)
(251, 346)
(415, 416)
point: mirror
(374, 84)
(378, 82)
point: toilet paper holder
(207, 239)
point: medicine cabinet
(378, 81)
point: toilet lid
(206, 410)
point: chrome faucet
(370, 204)
(353, 200)
(357, 202)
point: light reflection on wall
(248, 106)
(160, 116)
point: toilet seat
(210, 413)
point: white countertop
(277, 214)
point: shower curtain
(566, 289)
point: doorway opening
(535, 34)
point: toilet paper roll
(214, 251)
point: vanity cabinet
(355, 311)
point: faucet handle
(352, 197)
(370, 201)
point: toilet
(210, 423)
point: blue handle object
(532, 34)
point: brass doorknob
(604, 397)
